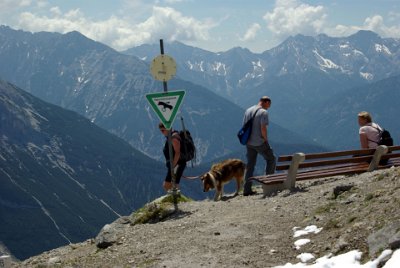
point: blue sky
(214, 25)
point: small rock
(53, 260)
(394, 242)
(340, 245)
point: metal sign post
(163, 68)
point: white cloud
(6, 5)
(164, 23)
(290, 17)
(251, 33)
(375, 24)
(169, 24)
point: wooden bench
(300, 166)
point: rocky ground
(356, 212)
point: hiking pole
(183, 127)
(174, 191)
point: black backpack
(385, 138)
(188, 150)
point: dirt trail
(250, 231)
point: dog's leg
(216, 196)
(238, 185)
(218, 192)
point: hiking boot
(250, 193)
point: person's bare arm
(364, 140)
(264, 132)
(177, 149)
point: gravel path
(250, 231)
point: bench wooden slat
(267, 181)
(277, 176)
(270, 179)
(304, 175)
(392, 162)
(393, 148)
(285, 158)
(388, 156)
(357, 159)
(332, 173)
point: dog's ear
(203, 177)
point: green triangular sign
(166, 105)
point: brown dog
(221, 173)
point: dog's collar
(213, 179)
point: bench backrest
(337, 158)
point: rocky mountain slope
(355, 212)
(62, 177)
(108, 87)
(336, 122)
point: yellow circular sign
(163, 67)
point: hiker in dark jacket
(177, 164)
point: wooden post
(290, 181)
(379, 151)
(5, 261)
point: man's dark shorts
(178, 175)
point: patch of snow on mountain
(257, 66)
(367, 76)
(382, 48)
(191, 66)
(312, 229)
(219, 67)
(196, 66)
(357, 52)
(325, 63)
(301, 242)
(305, 257)
(201, 66)
(283, 70)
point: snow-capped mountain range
(109, 88)
(299, 75)
(360, 58)
(317, 84)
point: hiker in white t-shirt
(369, 131)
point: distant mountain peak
(365, 36)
